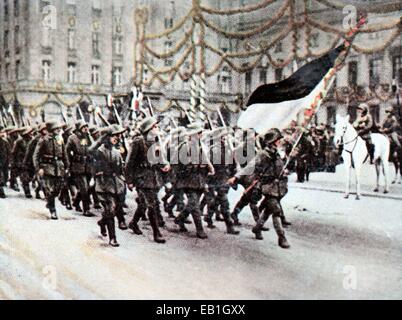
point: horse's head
(341, 126)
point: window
(95, 45)
(71, 39)
(17, 69)
(16, 8)
(278, 75)
(314, 40)
(46, 70)
(117, 76)
(6, 10)
(118, 45)
(397, 68)
(248, 80)
(168, 47)
(7, 71)
(375, 71)
(226, 80)
(278, 48)
(263, 76)
(95, 75)
(352, 73)
(6, 37)
(17, 39)
(168, 23)
(71, 71)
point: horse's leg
(357, 173)
(347, 161)
(377, 170)
(385, 171)
(394, 159)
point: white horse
(355, 153)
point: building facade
(57, 53)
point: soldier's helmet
(69, 130)
(272, 136)
(389, 110)
(53, 125)
(42, 127)
(27, 131)
(364, 107)
(81, 124)
(114, 130)
(13, 130)
(147, 124)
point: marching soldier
(18, 154)
(28, 159)
(4, 161)
(364, 124)
(192, 177)
(273, 185)
(141, 173)
(109, 179)
(225, 167)
(51, 162)
(13, 136)
(77, 149)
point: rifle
(100, 115)
(162, 151)
(118, 119)
(11, 113)
(83, 119)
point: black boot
(37, 194)
(112, 232)
(135, 228)
(53, 215)
(180, 223)
(210, 224)
(27, 192)
(257, 231)
(2, 194)
(153, 219)
(198, 226)
(235, 217)
(229, 226)
(282, 242)
(102, 225)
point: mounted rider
(390, 127)
(364, 125)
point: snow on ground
(341, 249)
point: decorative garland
(195, 53)
(369, 8)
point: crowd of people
(193, 166)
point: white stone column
(363, 72)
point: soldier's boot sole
(133, 226)
(159, 240)
(103, 230)
(123, 226)
(283, 243)
(257, 232)
(202, 235)
(113, 243)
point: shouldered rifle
(11, 113)
(120, 122)
(91, 139)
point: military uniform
(140, 172)
(4, 162)
(18, 155)
(363, 125)
(192, 179)
(390, 127)
(80, 160)
(109, 180)
(225, 167)
(28, 159)
(51, 157)
(268, 167)
(13, 136)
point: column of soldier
(86, 166)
